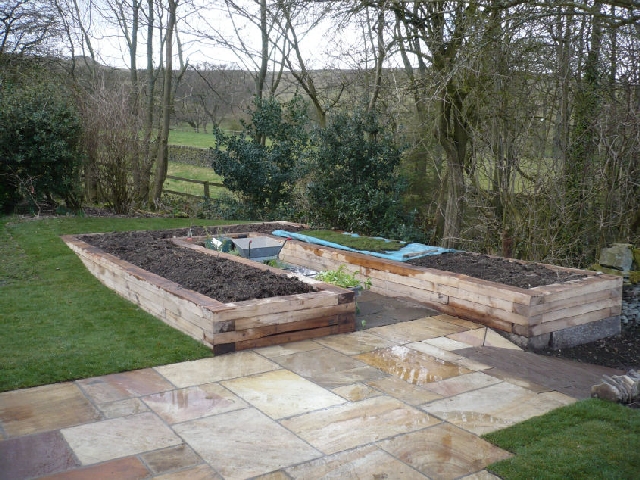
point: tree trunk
(163, 150)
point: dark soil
(202, 273)
(499, 270)
(218, 278)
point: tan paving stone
(355, 424)
(288, 348)
(120, 386)
(119, 437)
(278, 475)
(172, 458)
(210, 370)
(366, 462)
(461, 384)
(193, 402)
(354, 343)
(328, 368)
(446, 355)
(130, 406)
(495, 407)
(412, 366)
(484, 337)
(40, 409)
(416, 330)
(467, 324)
(247, 443)
(443, 451)
(405, 392)
(356, 392)
(446, 343)
(281, 393)
(122, 469)
(201, 472)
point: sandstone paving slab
(210, 370)
(122, 408)
(247, 443)
(411, 365)
(565, 376)
(281, 393)
(356, 392)
(484, 337)
(40, 409)
(446, 355)
(35, 455)
(328, 368)
(172, 458)
(405, 392)
(277, 475)
(364, 462)
(416, 330)
(201, 472)
(461, 384)
(443, 451)
(446, 343)
(119, 437)
(193, 402)
(355, 424)
(120, 386)
(467, 324)
(288, 348)
(495, 407)
(130, 468)
(354, 343)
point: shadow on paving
(377, 310)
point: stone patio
(405, 399)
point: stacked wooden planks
(525, 312)
(226, 327)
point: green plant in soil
(369, 244)
(59, 323)
(589, 439)
(342, 278)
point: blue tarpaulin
(408, 252)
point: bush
(354, 184)
(40, 134)
(262, 164)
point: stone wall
(189, 155)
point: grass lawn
(194, 173)
(60, 323)
(186, 136)
(589, 439)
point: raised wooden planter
(226, 327)
(555, 316)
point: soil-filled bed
(218, 278)
(499, 270)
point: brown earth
(152, 251)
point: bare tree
(28, 26)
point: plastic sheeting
(408, 252)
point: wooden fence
(206, 186)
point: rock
(619, 256)
(619, 388)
